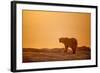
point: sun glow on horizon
(42, 29)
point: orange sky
(42, 29)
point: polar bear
(69, 42)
